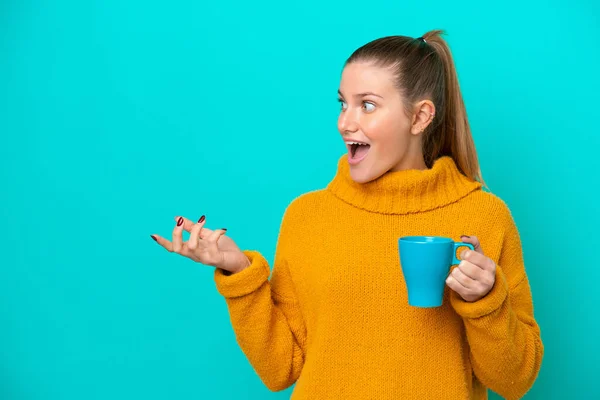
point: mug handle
(456, 246)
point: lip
(356, 141)
(354, 161)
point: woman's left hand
(475, 275)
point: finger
(480, 260)
(474, 241)
(189, 224)
(195, 233)
(471, 270)
(163, 242)
(456, 286)
(463, 280)
(169, 246)
(178, 236)
(215, 235)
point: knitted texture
(334, 317)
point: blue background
(117, 116)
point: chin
(363, 175)
(361, 179)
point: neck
(415, 162)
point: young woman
(334, 316)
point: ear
(424, 112)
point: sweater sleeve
(265, 315)
(506, 349)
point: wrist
(242, 267)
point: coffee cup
(425, 262)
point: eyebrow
(362, 94)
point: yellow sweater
(334, 317)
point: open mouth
(358, 150)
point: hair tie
(422, 39)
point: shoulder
(306, 202)
(298, 217)
(304, 208)
(495, 209)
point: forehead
(360, 77)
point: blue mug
(425, 263)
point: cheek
(385, 128)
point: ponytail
(454, 137)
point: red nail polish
(152, 236)
(180, 221)
(202, 218)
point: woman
(334, 317)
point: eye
(343, 104)
(368, 106)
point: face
(372, 112)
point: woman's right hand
(205, 246)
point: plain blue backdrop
(116, 116)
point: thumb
(474, 241)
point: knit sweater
(334, 317)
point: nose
(347, 123)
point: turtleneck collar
(403, 192)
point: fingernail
(225, 229)
(152, 236)
(465, 236)
(202, 218)
(180, 221)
